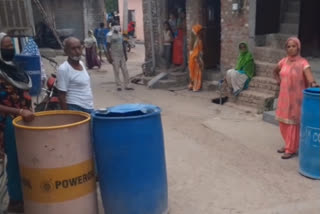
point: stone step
(287, 28)
(292, 18)
(179, 76)
(270, 117)
(277, 40)
(268, 54)
(294, 6)
(265, 84)
(165, 84)
(265, 69)
(260, 101)
(169, 83)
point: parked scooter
(51, 100)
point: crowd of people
(175, 40)
(293, 74)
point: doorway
(212, 34)
(175, 5)
(309, 28)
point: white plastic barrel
(56, 163)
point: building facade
(74, 17)
(264, 25)
(135, 13)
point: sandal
(287, 156)
(282, 150)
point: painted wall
(137, 6)
(82, 15)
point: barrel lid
(127, 110)
(315, 91)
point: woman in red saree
(293, 73)
(196, 60)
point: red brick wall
(194, 14)
(234, 29)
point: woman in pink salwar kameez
(293, 73)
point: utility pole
(125, 17)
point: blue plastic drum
(32, 66)
(309, 153)
(129, 148)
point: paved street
(220, 160)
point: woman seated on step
(238, 79)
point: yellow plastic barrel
(56, 163)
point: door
(212, 34)
(309, 28)
(268, 16)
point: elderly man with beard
(73, 80)
(117, 56)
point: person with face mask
(73, 80)
(14, 101)
(117, 56)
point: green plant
(111, 5)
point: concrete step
(165, 84)
(210, 85)
(268, 54)
(287, 28)
(265, 84)
(170, 83)
(294, 6)
(270, 117)
(265, 69)
(277, 40)
(260, 101)
(292, 18)
(179, 76)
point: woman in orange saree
(293, 73)
(196, 60)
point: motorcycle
(128, 42)
(51, 94)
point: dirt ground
(220, 160)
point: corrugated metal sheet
(16, 17)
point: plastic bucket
(309, 152)
(32, 66)
(129, 148)
(56, 164)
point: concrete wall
(153, 26)
(80, 15)
(135, 5)
(94, 14)
(235, 27)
